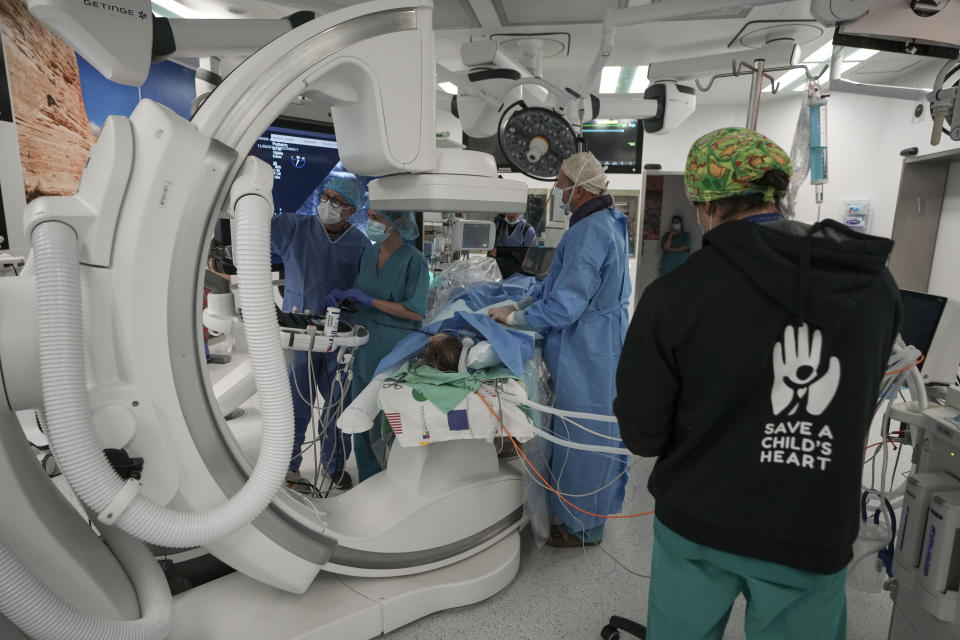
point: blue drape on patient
(513, 347)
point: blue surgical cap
(347, 185)
(405, 222)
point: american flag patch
(395, 422)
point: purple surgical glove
(359, 297)
(334, 298)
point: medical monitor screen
(617, 144)
(301, 154)
(537, 262)
(921, 317)
(476, 237)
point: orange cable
(893, 373)
(516, 446)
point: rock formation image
(52, 127)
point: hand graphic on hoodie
(798, 382)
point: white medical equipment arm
(837, 83)
(122, 37)
(945, 104)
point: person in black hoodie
(751, 373)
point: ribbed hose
(43, 615)
(69, 427)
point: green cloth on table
(445, 390)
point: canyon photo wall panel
(57, 104)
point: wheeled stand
(617, 625)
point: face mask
(328, 213)
(514, 222)
(701, 224)
(676, 226)
(558, 197)
(377, 231)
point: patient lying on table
(437, 395)
(443, 353)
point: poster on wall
(652, 207)
(53, 134)
(60, 102)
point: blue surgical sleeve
(574, 288)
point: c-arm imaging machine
(106, 322)
(115, 344)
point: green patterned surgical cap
(727, 162)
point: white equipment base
(236, 607)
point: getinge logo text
(113, 8)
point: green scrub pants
(693, 587)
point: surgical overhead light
(536, 141)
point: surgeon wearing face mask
(751, 374)
(320, 253)
(582, 312)
(390, 293)
(675, 245)
(514, 231)
(514, 236)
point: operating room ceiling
(571, 30)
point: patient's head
(443, 353)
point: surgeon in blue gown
(514, 231)
(320, 253)
(582, 312)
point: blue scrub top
(314, 264)
(522, 235)
(404, 278)
(670, 260)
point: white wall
(865, 137)
(945, 272)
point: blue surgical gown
(314, 266)
(582, 312)
(521, 235)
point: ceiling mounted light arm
(591, 82)
(558, 94)
(838, 84)
(466, 89)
